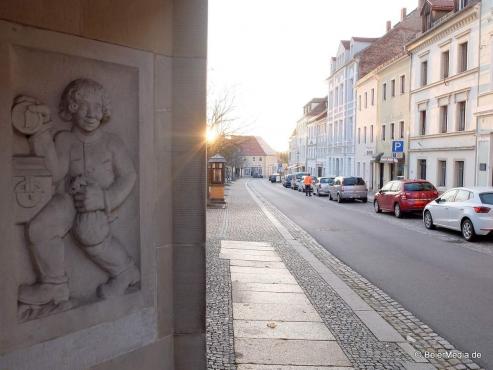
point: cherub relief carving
(93, 175)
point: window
(442, 173)
(383, 132)
(358, 168)
(392, 88)
(253, 159)
(443, 118)
(366, 100)
(364, 134)
(422, 122)
(424, 73)
(448, 196)
(463, 195)
(403, 84)
(359, 135)
(486, 198)
(359, 102)
(422, 168)
(401, 129)
(461, 116)
(459, 173)
(260, 159)
(336, 96)
(462, 63)
(463, 4)
(372, 96)
(418, 186)
(384, 91)
(392, 135)
(371, 134)
(445, 64)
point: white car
(468, 210)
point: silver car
(468, 210)
(348, 188)
(323, 185)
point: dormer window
(463, 3)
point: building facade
(393, 122)
(257, 158)
(443, 97)
(366, 123)
(341, 115)
(484, 114)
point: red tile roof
(253, 146)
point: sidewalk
(278, 300)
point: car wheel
(376, 207)
(397, 210)
(467, 229)
(428, 220)
(339, 199)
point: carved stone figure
(93, 175)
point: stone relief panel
(75, 181)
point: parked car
(286, 181)
(468, 210)
(302, 187)
(275, 178)
(348, 188)
(322, 185)
(403, 196)
(297, 176)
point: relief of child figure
(93, 175)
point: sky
(273, 56)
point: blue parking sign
(397, 146)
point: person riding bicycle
(307, 182)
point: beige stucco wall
(366, 117)
(174, 33)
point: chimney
(389, 26)
(403, 13)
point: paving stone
(382, 330)
(234, 243)
(272, 265)
(263, 278)
(259, 287)
(289, 352)
(282, 367)
(250, 257)
(281, 330)
(245, 296)
(275, 312)
(258, 270)
(248, 252)
(414, 366)
(247, 248)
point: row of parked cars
(468, 210)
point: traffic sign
(397, 146)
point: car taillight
(405, 195)
(481, 209)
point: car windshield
(324, 181)
(418, 186)
(486, 198)
(349, 181)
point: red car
(401, 196)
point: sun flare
(211, 135)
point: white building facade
(341, 115)
(443, 100)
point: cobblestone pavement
(245, 220)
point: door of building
(380, 182)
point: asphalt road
(443, 280)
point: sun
(211, 135)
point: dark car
(403, 196)
(286, 181)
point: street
(445, 281)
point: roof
(364, 39)
(345, 43)
(253, 146)
(446, 5)
(390, 45)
